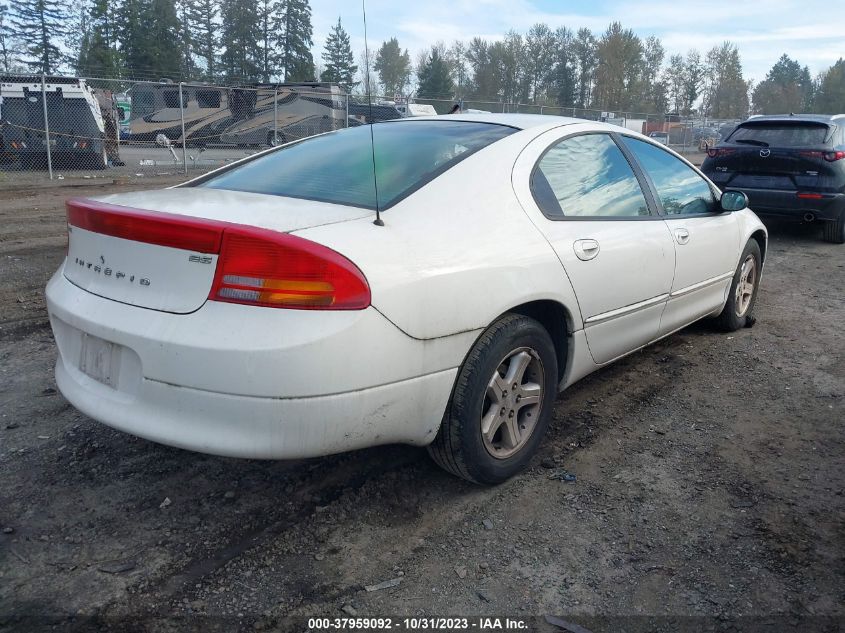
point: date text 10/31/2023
(418, 624)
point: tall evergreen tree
(78, 34)
(240, 32)
(186, 40)
(267, 19)
(202, 16)
(831, 90)
(164, 29)
(39, 25)
(150, 37)
(339, 60)
(787, 88)
(393, 66)
(5, 38)
(132, 36)
(294, 40)
(98, 55)
(434, 79)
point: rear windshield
(780, 134)
(338, 167)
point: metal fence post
(184, 140)
(541, 109)
(347, 109)
(46, 126)
(275, 116)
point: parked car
(660, 137)
(790, 166)
(285, 306)
(700, 133)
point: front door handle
(586, 250)
(681, 236)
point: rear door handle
(586, 250)
(681, 236)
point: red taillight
(150, 227)
(266, 268)
(255, 266)
(810, 196)
(828, 156)
(714, 152)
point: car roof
(815, 118)
(519, 121)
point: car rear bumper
(780, 203)
(406, 412)
(250, 382)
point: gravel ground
(709, 489)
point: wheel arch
(556, 319)
(760, 237)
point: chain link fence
(54, 127)
(66, 127)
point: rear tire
(834, 232)
(490, 430)
(742, 297)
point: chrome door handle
(586, 250)
(681, 236)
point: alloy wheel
(512, 403)
(745, 286)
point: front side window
(680, 189)
(338, 166)
(587, 176)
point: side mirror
(733, 201)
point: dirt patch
(709, 482)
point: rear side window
(338, 166)
(680, 189)
(780, 134)
(587, 176)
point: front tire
(501, 403)
(742, 297)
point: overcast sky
(762, 29)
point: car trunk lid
(159, 249)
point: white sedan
(264, 311)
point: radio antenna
(378, 221)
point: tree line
(246, 41)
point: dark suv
(789, 166)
